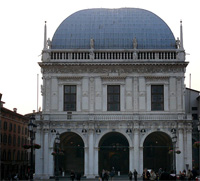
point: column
(79, 97)
(129, 100)
(131, 158)
(122, 98)
(96, 163)
(135, 94)
(104, 98)
(136, 153)
(91, 153)
(46, 153)
(54, 94)
(85, 92)
(38, 155)
(86, 161)
(166, 97)
(148, 97)
(180, 157)
(60, 97)
(98, 94)
(172, 98)
(142, 94)
(189, 148)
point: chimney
(15, 110)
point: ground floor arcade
(89, 150)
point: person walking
(135, 174)
(146, 174)
(152, 175)
(130, 175)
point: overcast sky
(22, 31)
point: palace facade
(113, 87)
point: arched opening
(156, 152)
(114, 152)
(72, 146)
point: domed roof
(113, 29)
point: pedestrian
(172, 175)
(72, 175)
(189, 175)
(103, 175)
(130, 175)
(194, 172)
(135, 174)
(78, 176)
(112, 173)
(146, 174)
(106, 175)
(164, 175)
(152, 175)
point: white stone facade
(135, 75)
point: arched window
(14, 140)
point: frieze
(143, 68)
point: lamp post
(57, 142)
(174, 140)
(32, 129)
(198, 126)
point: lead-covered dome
(113, 29)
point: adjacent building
(113, 87)
(14, 134)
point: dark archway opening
(114, 152)
(156, 152)
(73, 159)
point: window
(14, 155)
(14, 140)
(4, 139)
(10, 127)
(19, 129)
(69, 98)
(113, 98)
(194, 116)
(157, 98)
(14, 128)
(22, 141)
(4, 155)
(194, 108)
(5, 125)
(18, 141)
(9, 155)
(9, 139)
(18, 155)
(25, 131)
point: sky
(22, 35)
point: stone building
(14, 134)
(113, 87)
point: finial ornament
(92, 43)
(134, 43)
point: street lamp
(198, 126)
(57, 142)
(174, 140)
(32, 129)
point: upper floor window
(4, 139)
(14, 128)
(113, 98)
(19, 129)
(69, 98)
(10, 127)
(5, 125)
(9, 139)
(157, 98)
